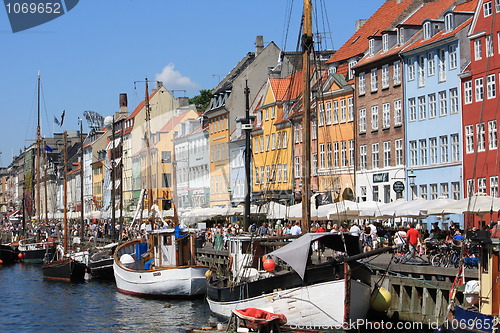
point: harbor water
(31, 304)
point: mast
(82, 225)
(38, 153)
(148, 166)
(248, 155)
(113, 190)
(45, 188)
(65, 197)
(307, 45)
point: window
(468, 92)
(314, 164)
(401, 36)
(335, 112)
(492, 134)
(434, 191)
(335, 154)
(387, 154)
(452, 55)
(375, 160)
(257, 178)
(398, 115)
(421, 71)
(455, 190)
(374, 80)
(431, 64)
(273, 141)
(481, 146)
(375, 193)
(374, 117)
(396, 73)
(412, 109)
(385, 76)
(399, 151)
(280, 169)
(443, 111)
(448, 22)
(314, 130)
(350, 109)
(321, 155)
(261, 176)
(267, 113)
(285, 173)
(487, 9)
(385, 42)
(351, 153)
(321, 114)
(350, 72)
(256, 145)
(470, 187)
(371, 46)
(491, 86)
(268, 142)
(427, 30)
(423, 152)
(479, 89)
(453, 100)
(362, 84)
(444, 148)
(262, 144)
(362, 120)
(494, 186)
(433, 150)
(469, 139)
(478, 49)
(342, 110)
(497, 5)
(413, 153)
(423, 191)
(442, 65)
(328, 111)
(386, 115)
(297, 167)
(362, 157)
(481, 185)
(411, 69)
(285, 140)
(273, 112)
(489, 46)
(345, 162)
(268, 174)
(455, 148)
(421, 108)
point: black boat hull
(8, 254)
(38, 256)
(102, 269)
(65, 270)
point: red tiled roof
(140, 106)
(469, 6)
(429, 10)
(378, 22)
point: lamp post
(411, 181)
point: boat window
(246, 247)
(485, 259)
(167, 240)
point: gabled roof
(378, 22)
(469, 6)
(141, 106)
(429, 10)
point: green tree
(202, 100)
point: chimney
(183, 101)
(259, 45)
(159, 84)
(123, 104)
(359, 23)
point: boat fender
(230, 264)
(381, 299)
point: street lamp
(411, 178)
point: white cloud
(173, 79)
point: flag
(57, 121)
(49, 148)
(62, 117)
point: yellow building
(335, 134)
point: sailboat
(288, 281)
(61, 266)
(163, 263)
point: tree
(202, 100)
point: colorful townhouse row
(405, 108)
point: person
(367, 238)
(287, 229)
(252, 228)
(263, 229)
(400, 238)
(374, 235)
(321, 228)
(296, 230)
(412, 238)
(355, 230)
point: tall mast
(307, 45)
(38, 154)
(45, 188)
(113, 190)
(149, 161)
(248, 154)
(82, 225)
(65, 197)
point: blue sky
(96, 51)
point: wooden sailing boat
(163, 264)
(61, 266)
(311, 295)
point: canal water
(28, 303)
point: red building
(480, 105)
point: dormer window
(427, 30)
(332, 70)
(401, 36)
(372, 47)
(385, 42)
(448, 22)
(487, 9)
(350, 73)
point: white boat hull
(321, 305)
(167, 282)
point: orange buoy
(1, 262)
(269, 265)
(20, 255)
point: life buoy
(230, 265)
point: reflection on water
(31, 304)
